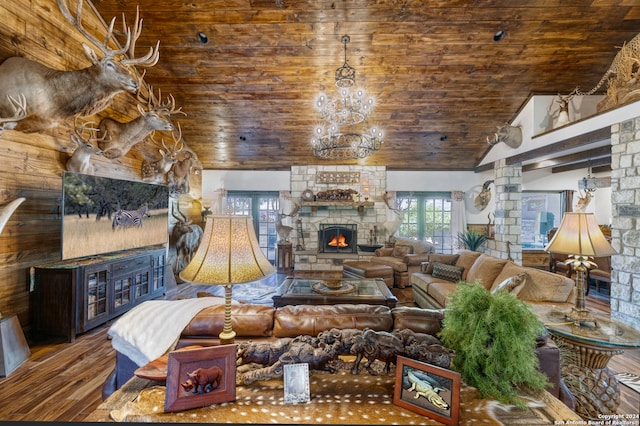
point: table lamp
(580, 237)
(228, 254)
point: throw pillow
(511, 283)
(447, 272)
(409, 247)
(485, 270)
(401, 251)
(449, 259)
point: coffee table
(321, 291)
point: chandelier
(336, 144)
(350, 107)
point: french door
(263, 207)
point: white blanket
(153, 328)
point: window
(541, 211)
(427, 216)
(263, 207)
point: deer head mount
(155, 171)
(119, 137)
(584, 199)
(482, 199)
(509, 135)
(52, 96)
(282, 230)
(392, 225)
(180, 172)
(80, 161)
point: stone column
(625, 225)
(508, 214)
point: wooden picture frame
(216, 385)
(416, 381)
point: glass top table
(607, 333)
(585, 352)
(324, 291)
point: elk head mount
(509, 135)
(52, 96)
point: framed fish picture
(427, 390)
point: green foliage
(494, 338)
(471, 239)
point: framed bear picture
(200, 377)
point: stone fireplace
(339, 238)
(320, 222)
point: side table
(585, 352)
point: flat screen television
(103, 215)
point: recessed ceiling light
(499, 35)
(203, 38)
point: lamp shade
(579, 234)
(229, 253)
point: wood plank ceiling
(441, 83)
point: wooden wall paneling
(34, 162)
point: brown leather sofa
(257, 322)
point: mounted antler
(154, 103)
(20, 111)
(148, 60)
(103, 46)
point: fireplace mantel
(360, 205)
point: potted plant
(494, 339)
(471, 239)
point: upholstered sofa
(433, 286)
(404, 257)
(259, 322)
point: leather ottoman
(366, 269)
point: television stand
(73, 296)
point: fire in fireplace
(338, 238)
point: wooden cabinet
(538, 259)
(74, 296)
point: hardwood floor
(62, 382)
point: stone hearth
(307, 255)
